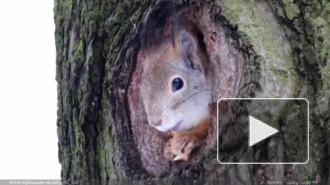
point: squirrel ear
(188, 49)
(187, 44)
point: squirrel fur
(177, 80)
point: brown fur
(175, 47)
(183, 143)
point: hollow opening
(226, 65)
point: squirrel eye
(177, 84)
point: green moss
(266, 36)
(321, 29)
(324, 95)
(291, 9)
(108, 159)
(102, 160)
(68, 5)
(78, 51)
(326, 76)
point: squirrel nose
(157, 122)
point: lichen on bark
(284, 46)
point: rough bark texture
(262, 48)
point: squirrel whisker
(177, 104)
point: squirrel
(177, 82)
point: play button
(248, 131)
(259, 131)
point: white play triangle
(259, 131)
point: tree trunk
(261, 48)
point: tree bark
(262, 48)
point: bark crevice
(258, 49)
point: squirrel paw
(182, 145)
(169, 155)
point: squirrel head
(177, 83)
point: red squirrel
(177, 83)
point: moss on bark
(96, 45)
